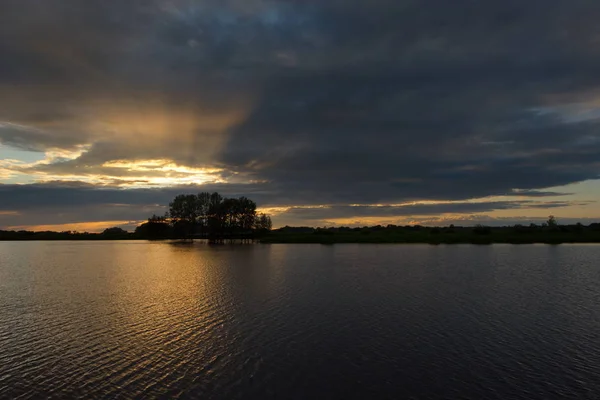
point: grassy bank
(376, 234)
(448, 235)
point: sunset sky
(325, 112)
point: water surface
(161, 320)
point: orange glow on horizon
(92, 227)
(9, 212)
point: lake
(163, 320)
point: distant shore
(377, 234)
(446, 235)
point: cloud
(334, 212)
(56, 203)
(489, 220)
(299, 103)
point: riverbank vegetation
(218, 219)
(518, 234)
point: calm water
(159, 320)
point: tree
(263, 223)
(266, 222)
(202, 206)
(214, 217)
(247, 214)
(230, 215)
(552, 222)
(183, 211)
(156, 228)
(114, 231)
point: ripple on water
(153, 320)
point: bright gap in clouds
(169, 173)
(119, 173)
(12, 153)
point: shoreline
(376, 235)
(318, 241)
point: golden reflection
(164, 299)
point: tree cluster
(208, 215)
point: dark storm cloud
(418, 209)
(419, 108)
(70, 202)
(335, 102)
(63, 195)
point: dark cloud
(471, 220)
(62, 195)
(359, 212)
(71, 202)
(329, 102)
(66, 194)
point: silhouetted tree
(247, 214)
(263, 223)
(183, 211)
(156, 228)
(114, 231)
(202, 206)
(215, 217)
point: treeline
(547, 232)
(208, 216)
(108, 234)
(165, 228)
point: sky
(326, 113)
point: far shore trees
(114, 231)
